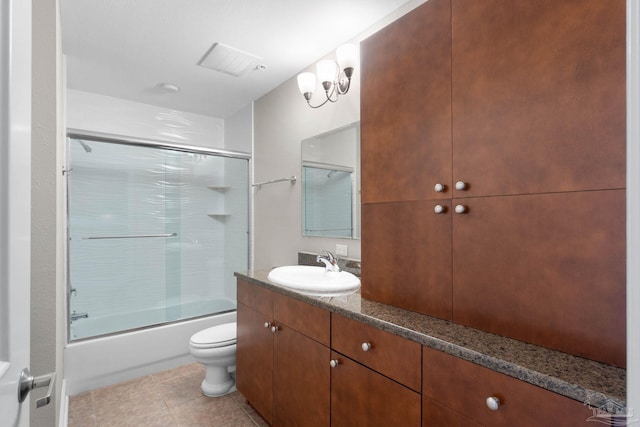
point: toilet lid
(216, 336)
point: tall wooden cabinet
(495, 195)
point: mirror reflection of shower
(154, 234)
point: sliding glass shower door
(154, 235)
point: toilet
(215, 348)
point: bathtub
(103, 361)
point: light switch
(342, 250)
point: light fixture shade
(306, 82)
(347, 56)
(327, 70)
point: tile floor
(167, 399)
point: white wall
(282, 120)
(47, 296)
(104, 114)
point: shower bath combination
(155, 233)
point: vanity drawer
(388, 354)
(256, 297)
(309, 320)
(463, 388)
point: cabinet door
(464, 387)
(436, 415)
(406, 106)
(538, 95)
(547, 269)
(362, 397)
(406, 256)
(254, 360)
(301, 380)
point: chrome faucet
(329, 261)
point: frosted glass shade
(347, 56)
(306, 82)
(327, 70)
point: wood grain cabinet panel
(254, 360)
(539, 95)
(283, 374)
(406, 256)
(547, 269)
(535, 126)
(391, 355)
(363, 397)
(406, 106)
(301, 380)
(462, 388)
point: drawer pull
(366, 346)
(267, 325)
(493, 403)
(439, 188)
(460, 209)
(274, 329)
(334, 363)
(461, 185)
(439, 209)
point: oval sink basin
(317, 281)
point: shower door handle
(136, 236)
(28, 382)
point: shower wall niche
(154, 234)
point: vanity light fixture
(334, 82)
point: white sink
(317, 281)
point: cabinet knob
(267, 325)
(460, 209)
(366, 346)
(461, 185)
(439, 209)
(440, 188)
(493, 403)
(334, 363)
(274, 329)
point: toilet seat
(216, 336)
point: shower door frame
(149, 143)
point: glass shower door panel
(154, 235)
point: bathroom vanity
(305, 360)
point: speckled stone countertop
(596, 384)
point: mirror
(331, 183)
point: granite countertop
(592, 383)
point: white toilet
(215, 348)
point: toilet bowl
(215, 348)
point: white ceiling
(125, 48)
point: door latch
(28, 382)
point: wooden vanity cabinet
(254, 347)
(375, 376)
(301, 373)
(535, 133)
(406, 255)
(538, 96)
(282, 365)
(455, 390)
(405, 103)
(546, 269)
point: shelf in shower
(219, 215)
(220, 188)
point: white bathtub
(108, 360)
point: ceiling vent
(229, 60)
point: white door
(15, 183)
